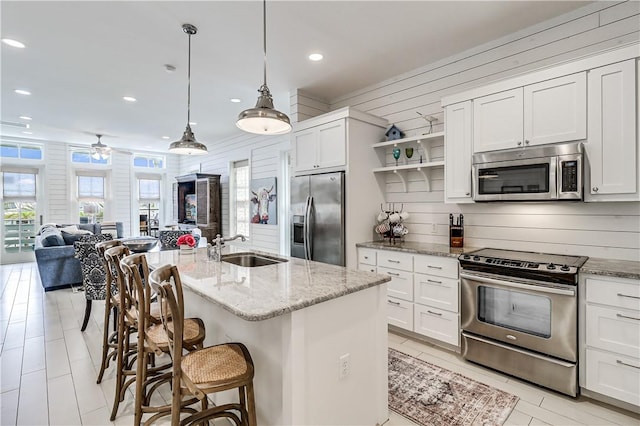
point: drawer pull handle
(393, 261)
(393, 274)
(393, 303)
(366, 257)
(434, 281)
(628, 365)
(434, 313)
(627, 317)
(434, 267)
(628, 295)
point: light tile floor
(49, 367)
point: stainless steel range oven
(519, 313)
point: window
(149, 199)
(18, 210)
(148, 161)
(21, 151)
(83, 156)
(91, 196)
(239, 195)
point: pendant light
(188, 145)
(263, 119)
(100, 151)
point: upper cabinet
(458, 127)
(551, 111)
(612, 150)
(321, 147)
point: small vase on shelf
(396, 154)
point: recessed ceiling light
(25, 117)
(22, 92)
(235, 100)
(129, 98)
(13, 43)
(165, 137)
(193, 123)
(316, 57)
(28, 133)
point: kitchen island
(317, 334)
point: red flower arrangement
(186, 239)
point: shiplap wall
(610, 230)
(263, 153)
(58, 194)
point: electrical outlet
(434, 228)
(344, 366)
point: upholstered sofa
(55, 255)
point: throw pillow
(71, 237)
(51, 237)
(109, 228)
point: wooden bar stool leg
(122, 334)
(105, 339)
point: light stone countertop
(612, 268)
(264, 292)
(419, 248)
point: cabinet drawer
(436, 291)
(619, 292)
(395, 260)
(611, 329)
(436, 265)
(365, 267)
(437, 324)
(367, 256)
(401, 284)
(400, 313)
(613, 375)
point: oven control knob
(551, 266)
(476, 258)
(564, 268)
(466, 256)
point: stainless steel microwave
(536, 173)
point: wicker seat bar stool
(153, 340)
(109, 341)
(203, 371)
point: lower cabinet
(610, 338)
(423, 294)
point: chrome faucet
(214, 251)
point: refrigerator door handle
(310, 226)
(305, 229)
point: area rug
(430, 395)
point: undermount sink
(251, 260)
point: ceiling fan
(100, 151)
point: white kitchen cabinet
(498, 121)
(321, 147)
(612, 146)
(551, 111)
(556, 110)
(610, 338)
(423, 294)
(458, 130)
(437, 323)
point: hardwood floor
(49, 367)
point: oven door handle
(540, 289)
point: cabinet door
(497, 121)
(367, 256)
(458, 128)
(436, 291)
(304, 144)
(401, 284)
(613, 375)
(556, 110)
(365, 267)
(612, 151)
(400, 313)
(615, 330)
(437, 324)
(332, 147)
(202, 202)
(174, 192)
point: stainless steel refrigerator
(317, 218)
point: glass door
(19, 216)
